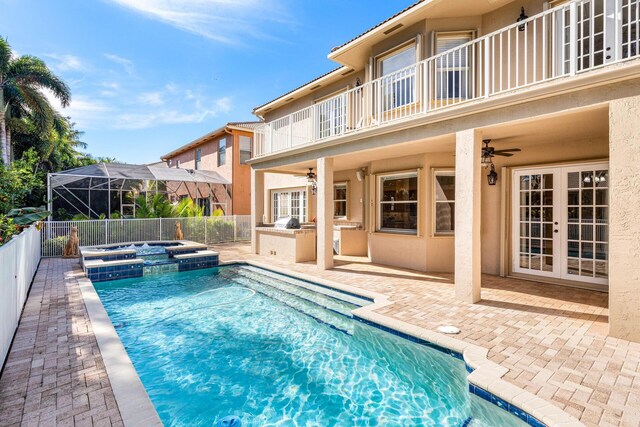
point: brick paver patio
(552, 339)
(54, 374)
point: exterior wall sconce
(523, 17)
(492, 177)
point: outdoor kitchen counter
(293, 245)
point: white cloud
(151, 98)
(201, 110)
(225, 21)
(66, 62)
(127, 64)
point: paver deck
(54, 375)
(552, 339)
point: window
(169, 163)
(398, 201)
(198, 158)
(222, 151)
(397, 82)
(291, 203)
(340, 200)
(452, 69)
(177, 163)
(444, 183)
(245, 149)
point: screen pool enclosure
(105, 188)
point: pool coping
(485, 377)
(134, 404)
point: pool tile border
(485, 376)
(136, 408)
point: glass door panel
(561, 222)
(587, 223)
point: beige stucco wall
(624, 229)
(298, 247)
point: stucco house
(469, 136)
(226, 151)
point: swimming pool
(273, 350)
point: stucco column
(324, 214)
(467, 218)
(257, 205)
(624, 224)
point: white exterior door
(560, 222)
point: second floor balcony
(565, 41)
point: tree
(22, 81)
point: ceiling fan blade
(508, 150)
(497, 153)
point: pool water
(275, 351)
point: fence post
(235, 228)
(205, 230)
(160, 235)
(106, 231)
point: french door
(560, 222)
(605, 31)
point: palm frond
(31, 71)
(42, 113)
(5, 56)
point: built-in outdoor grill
(287, 223)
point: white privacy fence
(19, 260)
(564, 41)
(208, 230)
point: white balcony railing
(564, 41)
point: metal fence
(208, 230)
(18, 264)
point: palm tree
(22, 80)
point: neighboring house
(225, 150)
(395, 135)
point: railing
(19, 260)
(564, 41)
(208, 230)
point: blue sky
(150, 75)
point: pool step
(196, 260)
(185, 248)
(322, 308)
(303, 285)
(99, 270)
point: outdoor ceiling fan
(488, 152)
(311, 179)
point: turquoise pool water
(274, 351)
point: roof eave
(334, 55)
(259, 111)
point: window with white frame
(340, 197)
(398, 202)
(169, 163)
(452, 69)
(245, 149)
(444, 209)
(177, 163)
(397, 81)
(285, 203)
(222, 151)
